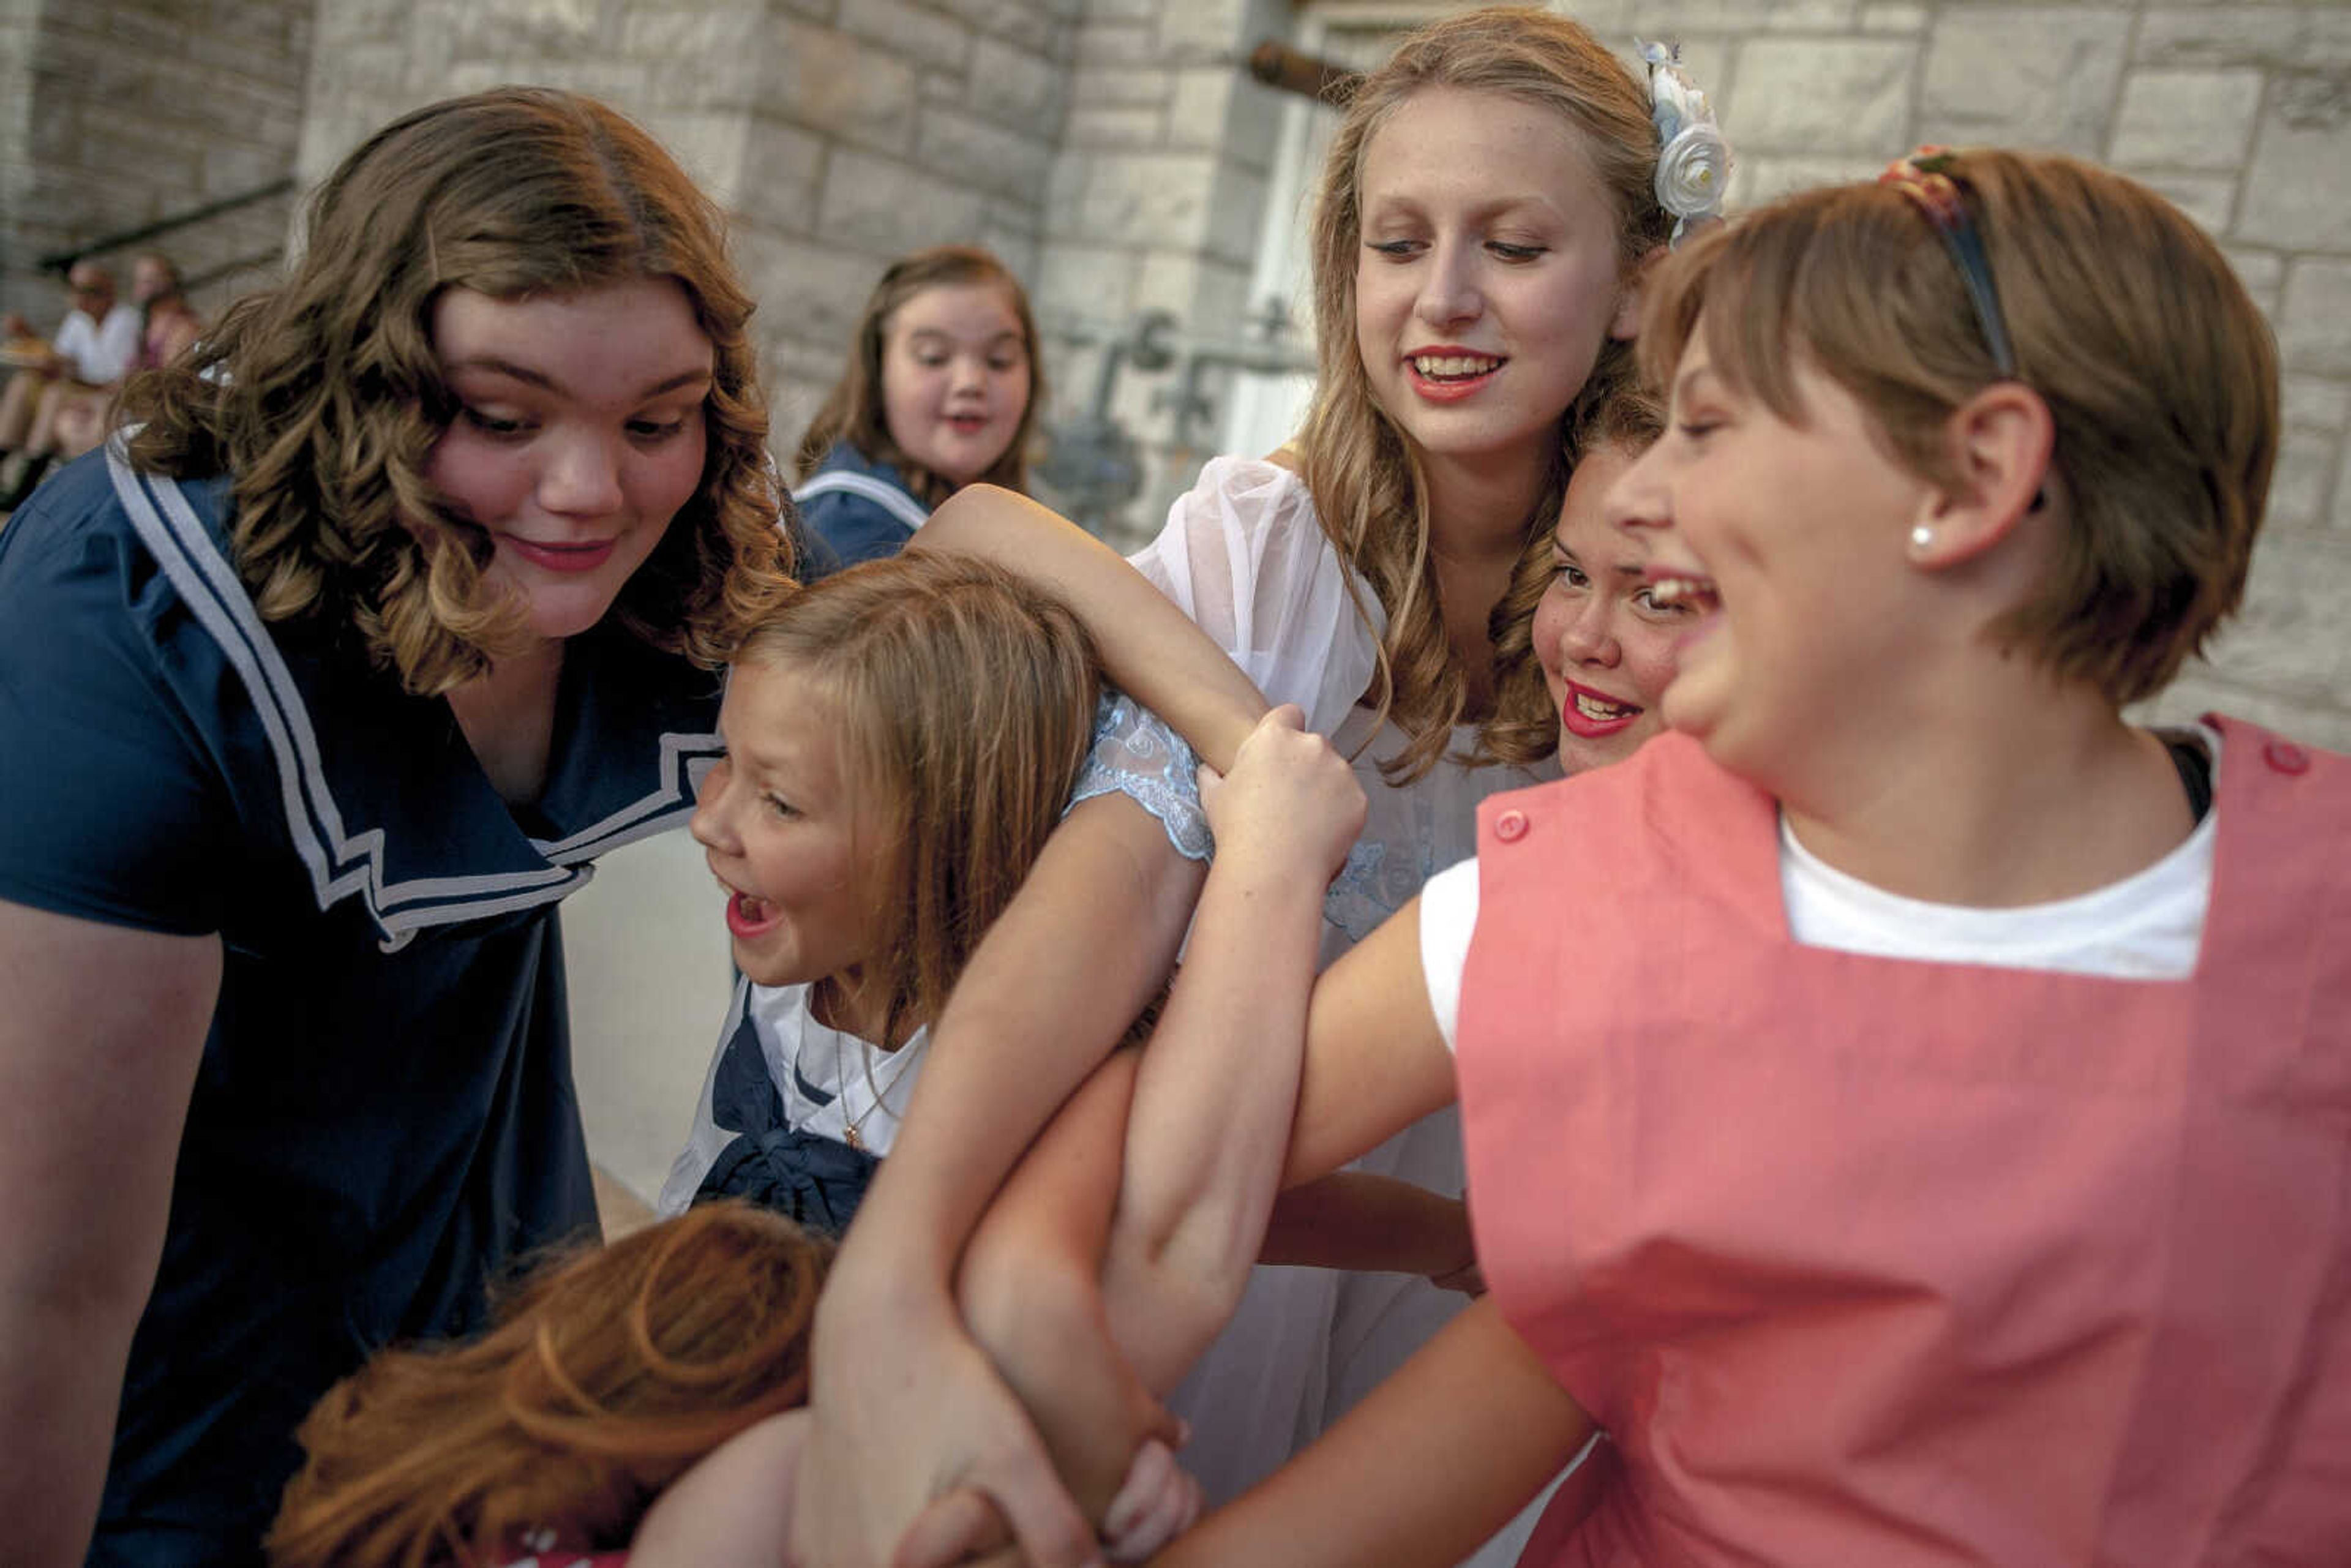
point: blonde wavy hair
(967, 699)
(1524, 725)
(2160, 375)
(609, 1373)
(1365, 480)
(323, 396)
(853, 411)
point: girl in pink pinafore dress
(1908, 1110)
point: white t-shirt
(2147, 927)
(101, 353)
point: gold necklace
(850, 1126)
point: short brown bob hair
(2160, 376)
(323, 396)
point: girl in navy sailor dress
(321, 687)
(941, 390)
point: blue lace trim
(1136, 755)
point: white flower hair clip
(1693, 159)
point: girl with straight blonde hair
(901, 739)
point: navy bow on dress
(813, 1179)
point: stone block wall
(839, 133)
(116, 113)
(1159, 204)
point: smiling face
(777, 820)
(580, 433)
(1488, 275)
(1606, 644)
(955, 378)
(1791, 541)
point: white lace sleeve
(1136, 755)
(1243, 556)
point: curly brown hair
(323, 396)
(609, 1373)
(853, 411)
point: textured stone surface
(1757, 178)
(919, 35)
(1893, 18)
(1816, 96)
(2315, 319)
(884, 207)
(1116, 126)
(2039, 76)
(848, 88)
(2293, 192)
(2311, 404)
(983, 155)
(2263, 272)
(1017, 86)
(2289, 640)
(2187, 119)
(2305, 480)
(2221, 34)
(117, 113)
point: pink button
(1510, 826)
(2286, 757)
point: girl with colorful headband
(1937, 1152)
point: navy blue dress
(860, 511)
(383, 1117)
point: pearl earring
(1922, 538)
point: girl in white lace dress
(1485, 208)
(1489, 203)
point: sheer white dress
(1243, 556)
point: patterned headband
(1930, 178)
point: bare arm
(1355, 1219)
(1431, 1463)
(1150, 647)
(732, 1507)
(1214, 1097)
(1119, 1247)
(904, 1406)
(1375, 1060)
(100, 1039)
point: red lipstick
(1578, 723)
